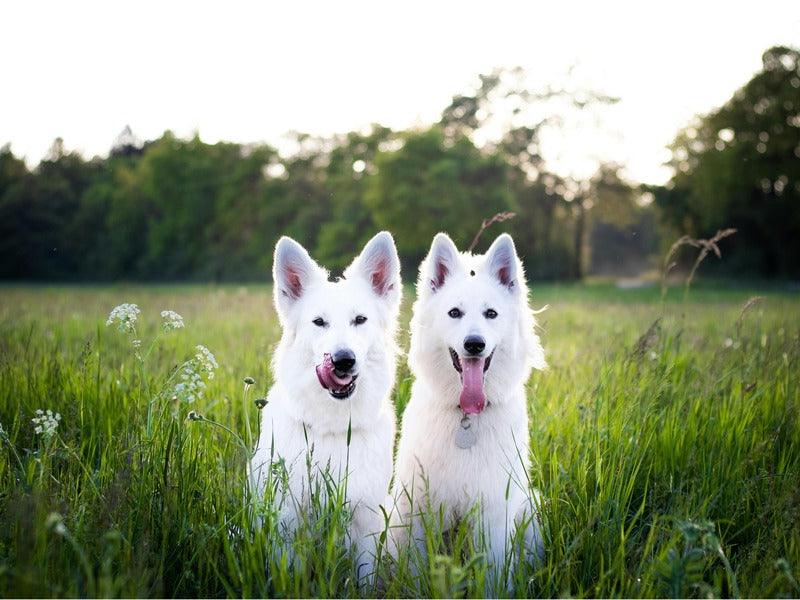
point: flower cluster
(191, 386)
(194, 374)
(46, 423)
(124, 316)
(171, 320)
(206, 360)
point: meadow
(665, 439)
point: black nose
(344, 360)
(474, 344)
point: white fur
(301, 416)
(431, 471)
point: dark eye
(455, 313)
(490, 313)
(359, 320)
(319, 322)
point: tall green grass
(668, 465)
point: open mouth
(340, 385)
(457, 360)
(472, 370)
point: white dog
(464, 441)
(334, 370)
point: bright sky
(251, 71)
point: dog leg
(365, 529)
(527, 516)
(407, 539)
(287, 524)
(492, 535)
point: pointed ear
(441, 263)
(293, 271)
(379, 265)
(502, 262)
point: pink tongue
(472, 397)
(328, 378)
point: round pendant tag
(465, 435)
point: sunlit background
(248, 71)
(257, 73)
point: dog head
(473, 333)
(336, 333)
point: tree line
(182, 209)
(739, 167)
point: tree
(431, 185)
(552, 207)
(350, 222)
(38, 210)
(621, 228)
(13, 175)
(739, 167)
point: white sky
(251, 71)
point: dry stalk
(668, 266)
(646, 340)
(498, 218)
(745, 309)
(705, 246)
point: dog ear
(293, 271)
(502, 262)
(379, 264)
(440, 264)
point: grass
(670, 467)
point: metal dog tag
(465, 435)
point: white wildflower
(728, 343)
(124, 316)
(191, 385)
(653, 355)
(206, 360)
(171, 320)
(193, 375)
(45, 423)
(136, 344)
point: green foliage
(186, 210)
(619, 225)
(430, 185)
(350, 224)
(667, 471)
(174, 209)
(181, 209)
(739, 167)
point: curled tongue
(327, 375)
(472, 398)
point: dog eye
(359, 320)
(319, 322)
(455, 313)
(490, 313)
